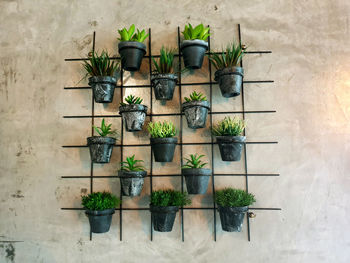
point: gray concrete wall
(310, 65)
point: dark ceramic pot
(196, 180)
(134, 116)
(230, 81)
(232, 218)
(131, 53)
(100, 221)
(193, 52)
(196, 113)
(230, 147)
(100, 148)
(131, 182)
(103, 88)
(163, 148)
(164, 85)
(163, 217)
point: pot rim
(240, 209)
(194, 42)
(164, 209)
(229, 71)
(167, 140)
(109, 211)
(133, 108)
(191, 104)
(103, 79)
(132, 174)
(196, 171)
(132, 44)
(233, 139)
(169, 76)
(102, 140)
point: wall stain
(93, 23)
(83, 190)
(18, 194)
(167, 22)
(83, 43)
(215, 7)
(9, 252)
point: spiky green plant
(165, 63)
(130, 35)
(194, 161)
(169, 197)
(131, 99)
(228, 58)
(100, 201)
(199, 32)
(194, 96)
(230, 197)
(229, 127)
(104, 129)
(100, 65)
(132, 165)
(163, 129)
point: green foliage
(194, 162)
(163, 129)
(169, 197)
(131, 164)
(100, 201)
(228, 58)
(131, 99)
(100, 65)
(230, 197)
(130, 35)
(105, 130)
(229, 127)
(198, 32)
(165, 63)
(194, 96)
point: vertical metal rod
(121, 155)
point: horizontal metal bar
(185, 208)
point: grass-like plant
(100, 65)
(105, 130)
(165, 63)
(199, 32)
(229, 127)
(194, 161)
(194, 96)
(230, 197)
(228, 58)
(163, 129)
(131, 165)
(169, 197)
(131, 99)
(131, 35)
(100, 201)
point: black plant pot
(163, 217)
(196, 113)
(134, 116)
(131, 53)
(193, 52)
(131, 182)
(103, 88)
(232, 218)
(196, 180)
(100, 148)
(164, 85)
(100, 221)
(230, 147)
(230, 81)
(163, 148)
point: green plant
(130, 35)
(163, 129)
(194, 162)
(131, 99)
(230, 197)
(198, 32)
(165, 63)
(194, 96)
(100, 201)
(100, 65)
(228, 58)
(169, 197)
(131, 164)
(105, 130)
(229, 127)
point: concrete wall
(310, 64)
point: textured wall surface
(310, 64)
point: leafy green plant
(165, 63)
(104, 129)
(131, 99)
(230, 197)
(228, 58)
(130, 35)
(194, 96)
(100, 65)
(199, 32)
(229, 127)
(131, 165)
(163, 129)
(100, 201)
(169, 197)
(194, 161)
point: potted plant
(194, 45)
(232, 205)
(131, 47)
(196, 110)
(100, 207)
(196, 176)
(101, 147)
(229, 137)
(228, 72)
(133, 113)
(162, 140)
(163, 78)
(163, 207)
(131, 176)
(102, 81)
